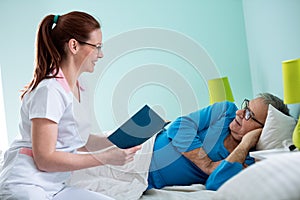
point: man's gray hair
(275, 102)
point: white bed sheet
(130, 182)
(196, 191)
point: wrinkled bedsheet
(120, 182)
(130, 181)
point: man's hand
(249, 140)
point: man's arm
(200, 158)
(233, 164)
(240, 153)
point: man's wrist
(239, 154)
(244, 146)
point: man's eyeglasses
(248, 114)
(97, 46)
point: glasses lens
(245, 104)
(247, 114)
(99, 47)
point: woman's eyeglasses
(97, 46)
(248, 114)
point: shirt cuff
(222, 173)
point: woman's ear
(73, 46)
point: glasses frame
(248, 113)
(97, 46)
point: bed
(130, 181)
(274, 178)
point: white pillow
(275, 178)
(278, 127)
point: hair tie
(55, 19)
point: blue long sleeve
(222, 173)
(202, 126)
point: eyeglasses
(97, 46)
(248, 114)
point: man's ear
(73, 46)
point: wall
(3, 132)
(273, 36)
(206, 39)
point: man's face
(240, 125)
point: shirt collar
(63, 82)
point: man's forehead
(258, 105)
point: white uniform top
(51, 99)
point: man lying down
(211, 145)
(207, 147)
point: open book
(138, 129)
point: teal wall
(207, 38)
(273, 36)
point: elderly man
(211, 145)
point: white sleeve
(47, 102)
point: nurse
(38, 165)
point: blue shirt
(206, 128)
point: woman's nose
(100, 54)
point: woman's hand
(117, 156)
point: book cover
(138, 129)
